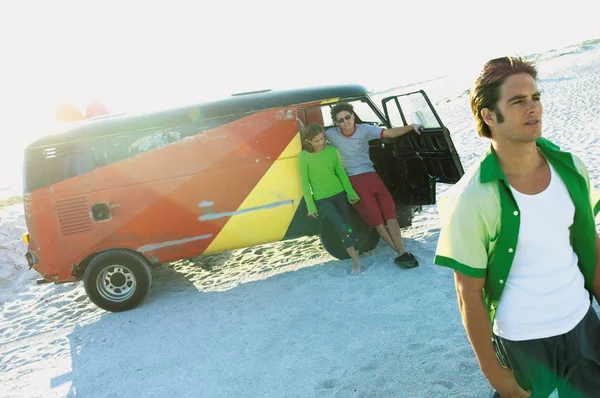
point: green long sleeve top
(322, 176)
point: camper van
(108, 197)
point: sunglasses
(344, 119)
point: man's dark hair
(341, 107)
(486, 91)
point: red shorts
(376, 203)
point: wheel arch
(79, 268)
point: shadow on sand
(269, 322)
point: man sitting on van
(376, 206)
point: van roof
(240, 103)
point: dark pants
(337, 209)
(569, 362)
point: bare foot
(355, 269)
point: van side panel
(238, 179)
(266, 213)
(45, 238)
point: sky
(133, 55)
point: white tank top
(544, 294)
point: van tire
(368, 238)
(117, 280)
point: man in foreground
(519, 232)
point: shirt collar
(349, 135)
(490, 167)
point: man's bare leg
(394, 230)
(404, 259)
(355, 263)
(382, 230)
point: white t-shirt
(354, 149)
(544, 294)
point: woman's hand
(313, 215)
(353, 199)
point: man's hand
(477, 323)
(400, 131)
(417, 128)
(504, 382)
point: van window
(66, 161)
(72, 159)
(362, 109)
(123, 146)
(364, 112)
(44, 166)
(415, 109)
(49, 165)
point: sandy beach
(285, 319)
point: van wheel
(367, 238)
(117, 280)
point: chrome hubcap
(116, 283)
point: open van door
(424, 159)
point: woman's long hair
(311, 131)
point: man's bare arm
(476, 321)
(477, 324)
(398, 131)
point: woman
(326, 187)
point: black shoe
(407, 260)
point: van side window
(135, 143)
(322, 114)
(415, 109)
(68, 160)
(364, 112)
(51, 164)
